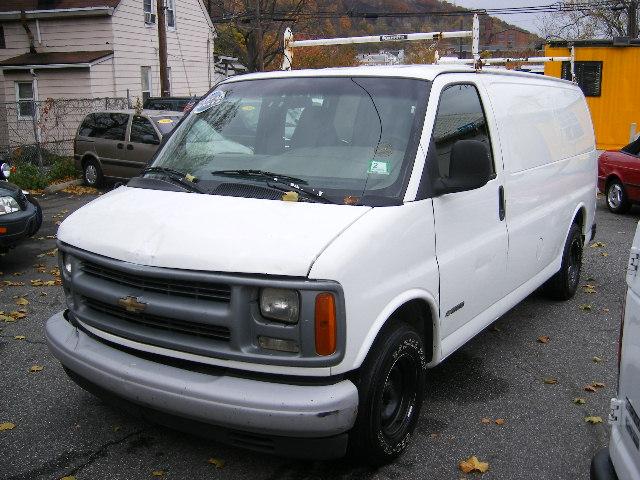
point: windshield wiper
(259, 173)
(308, 193)
(175, 176)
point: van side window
(142, 131)
(460, 117)
(111, 126)
(88, 126)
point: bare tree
(582, 19)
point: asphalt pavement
(60, 430)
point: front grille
(183, 288)
(154, 321)
(21, 199)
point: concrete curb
(56, 187)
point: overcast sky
(527, 21)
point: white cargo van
(306, 244)
(621, 459)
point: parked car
(289, 294)
(176, 104)
(119, 144)
(20, 213)
(619, 177)
(621, 459)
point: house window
(149, 16)
(147, 86)
(588, 76)
(25, 96)
(170, 13)
(2, 42)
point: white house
(84, 49)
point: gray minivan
(119, 143)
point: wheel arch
(89, 156)
(416, 307)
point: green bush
(63, 168)
(29, 177)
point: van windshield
(348, 138)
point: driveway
(62, 430)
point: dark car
(20, 215)
(619, 177)
(176, 104)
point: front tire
(391, 389)
(616, 196)
(92, 174)
(564, 284)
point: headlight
(66, 262)
(280, 304)
(8, 205)
(6, 169)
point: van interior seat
(314, 129)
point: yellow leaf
(589, 388)
(604, 254)
(22, 301)
(472, 464)
(68, 477)
(589, 289)
(585, 307)
(157, 473)
(598, 245)
(17, 314)
(485, 421)
(500, 421)
(598, 385)
(7, 318)
(217, 462)
(593, 419)
(290, 197)
(544, 339)
(36, 368)
(7, 426)
(550, 381)
(579, 401)
(597, 359)
(20, 337)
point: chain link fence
(40, 131)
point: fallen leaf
(217, 462)
(589, 289)
(593, 419)
(7, 318)
(597, 359)
(550, 381)
(472, 464)
(598, 385)
(22, 301)
(157, 473)
(36, 368)
(598, 245)
(17, 314)
(20, 337)
(17, 274)
(579, 401)
(485, 421)
(604, 254)
(495, 329)
(605, 310)
(500, 421)
(68, 477)
(9, 283)
(589, 388)
(7, 426)
(52, 253)
(78, 190)
(585, 307)
(544, 339)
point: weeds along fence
(39, 131)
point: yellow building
(609, 74)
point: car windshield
(166, 123)
(349, 138)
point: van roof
(425, 72)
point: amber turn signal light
(3, 229)
(326, 328)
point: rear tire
(563, 285)
(616, 197)
(391, 389)
(92, 174)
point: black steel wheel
(564, 284)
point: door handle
(501, 204)
(129, 147)
(120, 146)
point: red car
(619, 177)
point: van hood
(206, 232)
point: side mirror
(469, 168)
(150, 139)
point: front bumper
(601, 466)
(267, 410)
(20, 225)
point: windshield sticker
(165, 120)
(213, 99)
(380, 168)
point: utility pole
(162, 49)
(259, 40)
(632, 22)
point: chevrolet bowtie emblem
(132, 304)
